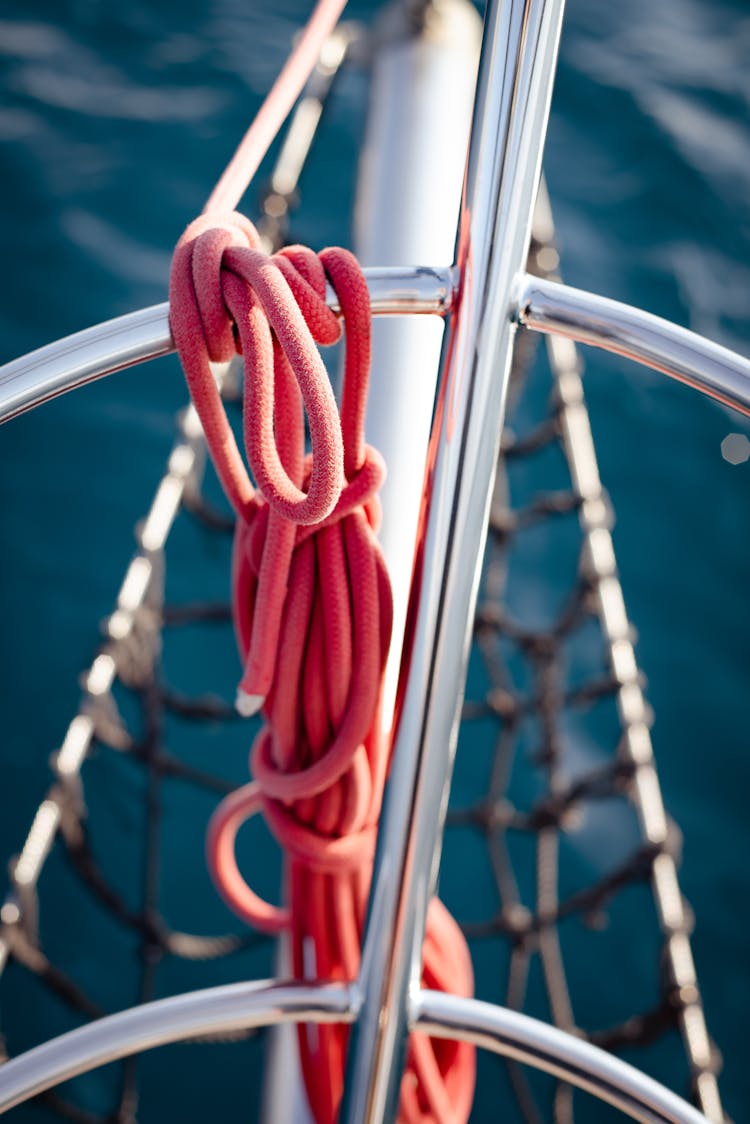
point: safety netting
(574, 911)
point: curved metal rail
(215, 1010)
(248, 1005)
(535, 1043)
(102, 350)
(548, 306)
(542, 306)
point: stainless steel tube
(243, 1006)
(213, 1011)
(120, 343)
(548, 306)
(514, 87)
(514, 1035)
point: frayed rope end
(248, 705)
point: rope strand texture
(312, 611)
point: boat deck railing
(488, 295)
(537, 304)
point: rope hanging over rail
(311, 599)
(312, 610)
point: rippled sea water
(115, 121)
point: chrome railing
(538, 305)
(246, 1006)
(514, 89)
(139, 336)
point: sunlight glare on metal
(38, 843)
(75, 747)
(134, 586)
(162, 514)
(101, 675)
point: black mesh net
(556, 805)
(115, 851)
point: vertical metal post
(513, 94)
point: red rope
(312, 609)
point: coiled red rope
(312, 612)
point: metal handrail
(530, 1041)
(196, 1014)
(549, 306)
(514, 89)
(539, 305)
(139, 336)
(246, 1006)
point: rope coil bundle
(312, 612)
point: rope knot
(196, 269)
(227, 295)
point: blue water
(114, 122)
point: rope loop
(312, 611)
(225, 293)
(233, 811)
